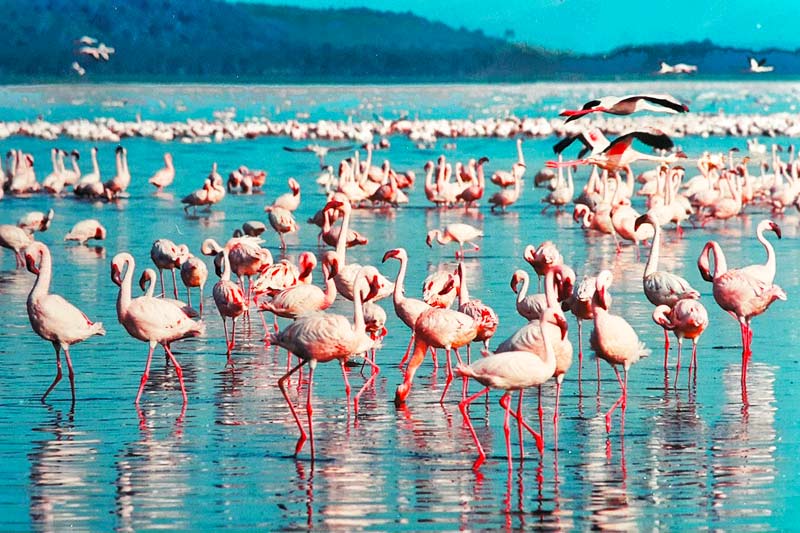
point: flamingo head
(644, 219)
(603, 281)
(395, 253)
(218, 263)
(774, 227)
(566, 281)
(482, 161)
(529, 254)
(553, 316)
(30, 263)
(116, 273)
(308, 262)
(100, 233)
(331, 261)
(401, 393)
(516, 278)
(144, 279)
(210, 247)
(374, 288)
(429, 238)
(182, 254)
(704, 265)
(294, 186)
(334, 204)
(662, 317)
(118, 149)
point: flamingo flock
(536, 352)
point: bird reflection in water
(152, 477)
(60, 491)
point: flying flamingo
(688, 319)
(163, 176)
(150, 319)
(86, 230)
(230, 301)
(512, 371)
(460, 233)
(627, 105)
(660, 287)
(613, 340)
(168, 255)
(740, 292)
(194, 273)
(407, 309)
(324, 337)
(52, 317)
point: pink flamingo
(542, 258)
(506, 196)
(434, 289)
(581, 306)
(688, 319)
(247, 257)
(289, 201)
(163, 176)
(408, 310)
(661, 287)
(230, 301)
(194, 273)
(627, 105)
(529, 306)
(613, 340)
(168, 255)
(147, 282)
(52, 317)
(282, 222)
(740, 292)
(86, 230)
(320, 338)
(150, 319)
(283, 275)
(304, 298)
(474, 192)
(483, 314)
(512, 371)
(15, 239)
(460, 233)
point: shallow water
(691, 456)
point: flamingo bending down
(86, 230)
(36, 221)
(408, 310)
(687, 319)
(52, 317)
(613, 340)
(150, 319)
(512, 371)
(661, 287)
(460, 233)
(230, 300)
(324, 337)
(740, 293)
(194, 273)
(15, 239)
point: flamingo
(163, 176)
(434, 289)
(759, 66)
(627, 105)
(52, 317)
(473, 193)
(330, 234)
(15, 239)
(407, 309)
(542, 258)
(230, 301)
(506, 197)
(742, 292)
(119, 183)
(458, 232)
(282, 222)
(168, 255)
(614, 341)
(581, 306)
(323, 337)
(246, 256)
(660, 287)
(36, 221)
(687, 319)
(86, 230)
(529, 307)
(198, 197)
(284, 274)
(150, 319)
(484, 315)
(147, 282)
(289, 201)
(512, 371)
(194, 273)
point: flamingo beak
(428, 241)
(333, 269)
(390, 254)
(143, 281)
(447, 287)
(562, 324)
(30, 263)
(116, 275)
(514, 283)
(774, 227)
(333, 204)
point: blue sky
(601, 25)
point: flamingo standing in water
(407, 309)
(529, 306)
(542, 258)
(230, 300)
(15, 239)
(150, 319)
(194, 273)
(483, 314)
(512, 371)
(168, 255)
(282, 222)
(323, 337)
(688, 319)
(613, 340)
(460, 233)
(163, 176)
(660, 287)
(86, 230)
(147, 282)
(52, 317)
(743, 292)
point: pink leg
(178, 370)
(435, 359)
(70, 373)
(201, 299)
(58, 373)
(449, 377)
(309, 408)
(620, 401)
(678, 363)
(537, 437)
(408, 351)
(161, 275)
(146, 372)
(462, 406)
(233, 335)
(693, 362)
(559, 380)
(346, 382)
(302, 439)
(375, 371)
(518, 417)
(505, 401)
(666, 348)
(174, 283)
(580, 348)
(541, 413)
(189, 296)
(227, 342)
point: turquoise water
(691, 457)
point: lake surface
(691, 456)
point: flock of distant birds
(91, 48)
(755, 66)
(536, 353)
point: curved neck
(547, 338)
(341, 244)
(42, 284)
(440, 237)
(124, 296)
(481, 178)
(399, 296)
(652, 260)
(770, 264)
(720, 265)
(330, 287)
(523, 291)
(550, 290)
(95, 166)
(520, 157)
(226, 266)
(463, 292)
(358, 307)
(151, 281)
